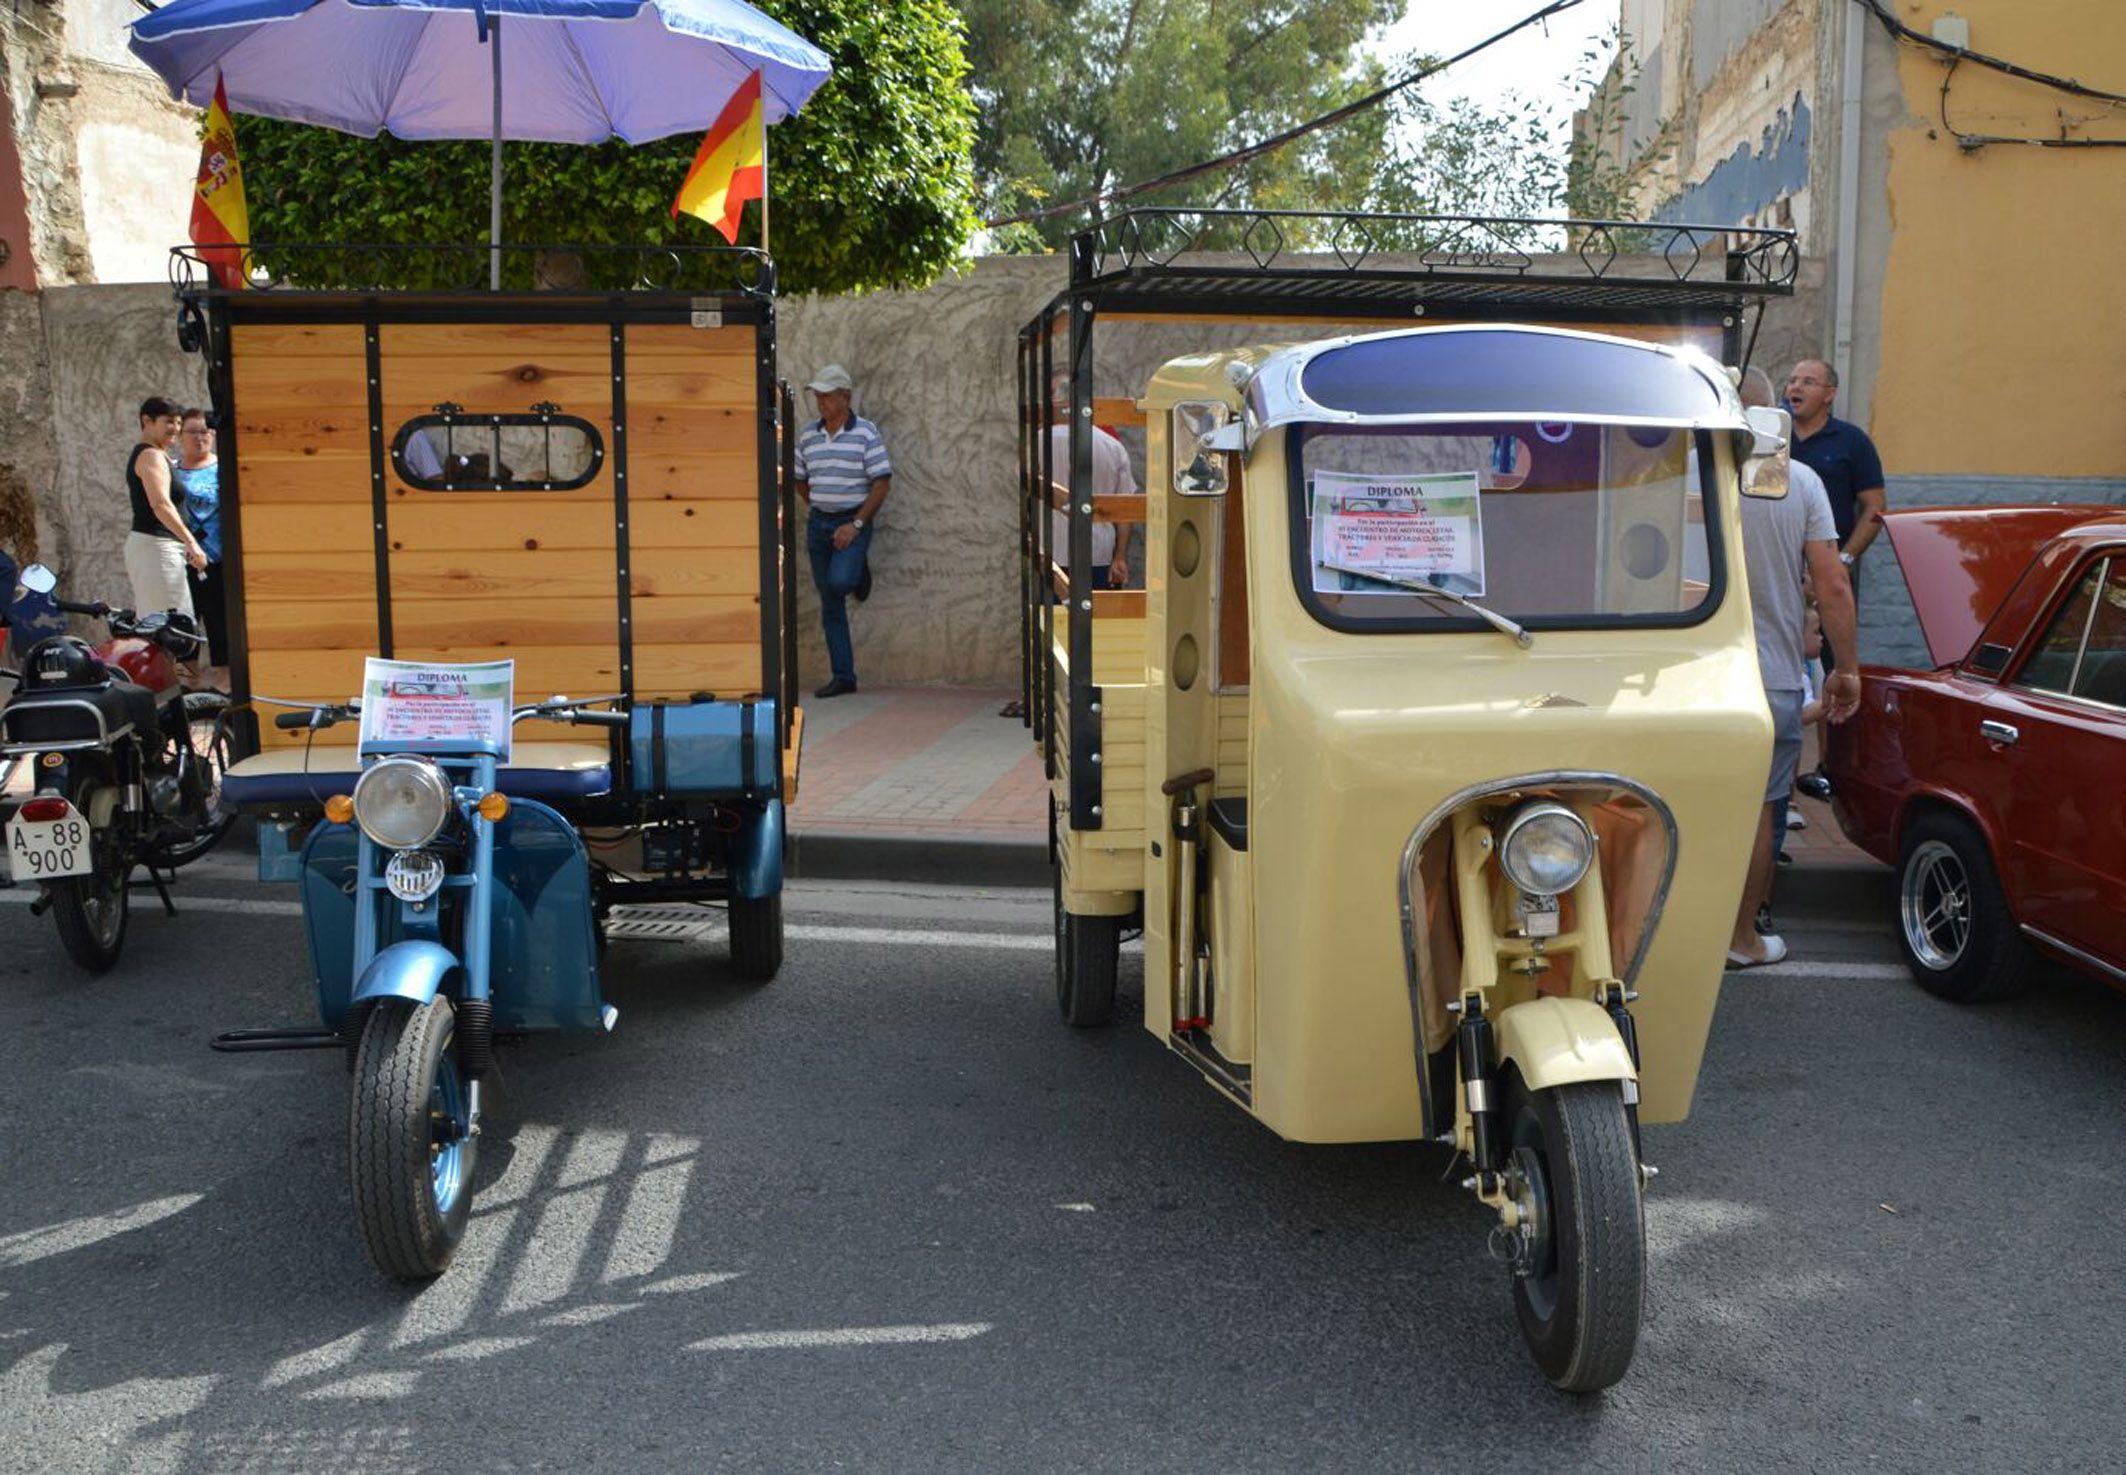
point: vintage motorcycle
(446, 904)
(127, 773)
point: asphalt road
(888, 1214)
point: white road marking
(913, 937)
(30, 1245)
(1076, 1208)
(1822, 968)
(848, 1336)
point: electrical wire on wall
(1958, 55)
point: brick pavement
(920, 761)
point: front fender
(413, 971)
(756, 854)
(1556, 1042)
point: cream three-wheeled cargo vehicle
(1429, 755)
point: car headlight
(402, 803)
(1544, 847)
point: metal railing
(458, 268)
(1328, 245)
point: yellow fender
(1558, 1041)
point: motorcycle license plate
(40, 851)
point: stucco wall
(2000, 346)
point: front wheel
(1580, 1268)
(410, 1142)
(207, 730)
(756, 936)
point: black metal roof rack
(1371, 264)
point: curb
(868, 855)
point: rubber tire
(77, 934)
(1996, 963)
(1584, 1339)
(203, 706)
(756, 937)
(1088, 955)
(406, 1236)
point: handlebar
(557, 710)
(94, 608)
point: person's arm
(1868, 507)
(1841, 627)
(1118, 571)
(1868, 502)
(153, 468)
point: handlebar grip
(1189, 780)
(96, 608)
(601, 719)
(292, 721)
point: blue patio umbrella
(577, 71)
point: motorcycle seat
(61, 715)
(289, 776)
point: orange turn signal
(494, 805)
(339, 809)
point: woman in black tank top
(144, 518)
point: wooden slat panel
(328, 472)
(498, 367)
(1116, 411)
(654, 430)
(417, 524)
(1120, 509)
(298, 529)
(317, 624)
(704, 471)
(657, 573)
(296, 432)
(256, 341)
(705, 381)
(330, 391)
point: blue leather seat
(550, 772)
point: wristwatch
(858, 524)
(1843, 557)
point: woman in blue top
(197, 475)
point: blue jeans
(835, 572)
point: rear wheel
(410, 1144)
(90, 911)
(1580, 1269)
(1953, 923)
(756, 937)
(206, 728)
(1088, 952)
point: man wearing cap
(843, 473)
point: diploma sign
(442, 706)
(1429, 528)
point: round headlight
(401, 803)
(1544, 847)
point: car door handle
(1997, 732)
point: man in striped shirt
(843, 473)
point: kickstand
(162, 889)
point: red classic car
(1996, 782)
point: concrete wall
(75, 363)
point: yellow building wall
(2003, 326)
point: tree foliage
(1079, 96)
(871, 183)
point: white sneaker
(1796, 820)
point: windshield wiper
(1490, 617)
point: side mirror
(39, 580)
(1774, 429)
(1198, 464)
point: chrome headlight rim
(429, 784)
(1516, 830)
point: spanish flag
(220, 222)
(732, 165)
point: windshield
(1554, 523)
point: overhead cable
(1290, 135)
